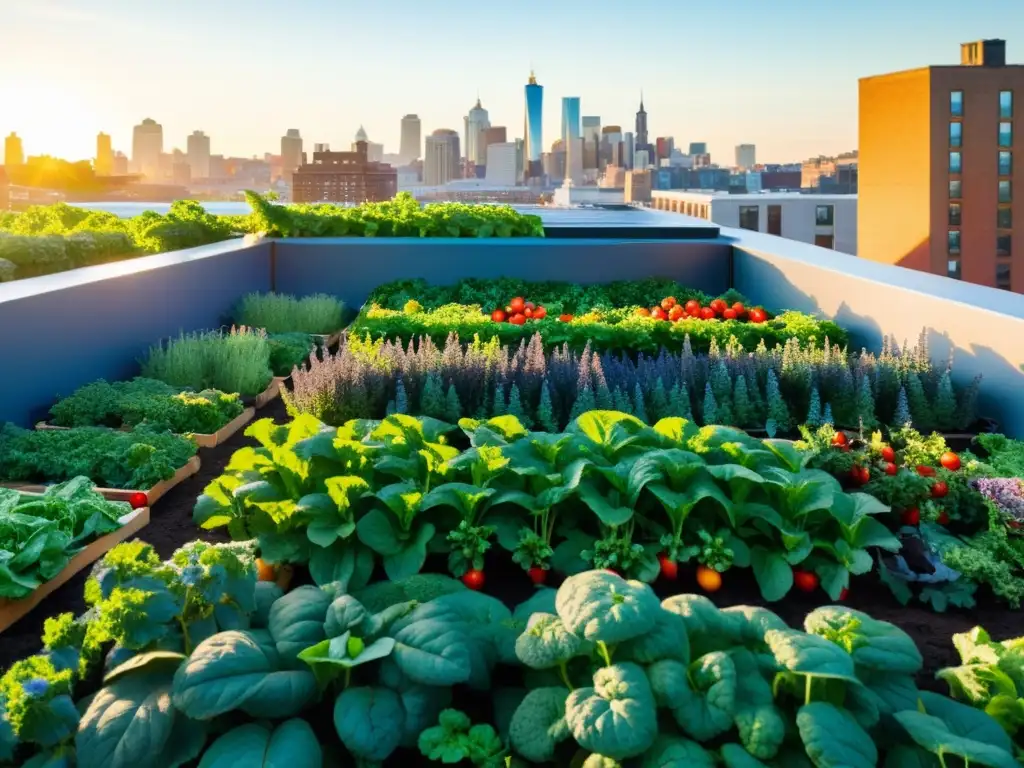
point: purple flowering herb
(1007, 493)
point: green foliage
(289, 351)
(236, 361)
(146, 401)
(137, 459)
(282, 313)
(454, 740)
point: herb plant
(235, 361)
(281, 313)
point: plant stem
(563, 672)
(184, 634)
(605, 654)
(348, 677)
(807, 689)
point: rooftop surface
(685, 194)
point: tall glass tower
(532, 132)
(570, 118)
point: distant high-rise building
(746, 156)
(199, 155)
(629, 147)
(663, 147)
(496, 134)
(104, 164)
(698, 148)
(412, 144)
(591, 140)
(5, 192)
(322, 147)
(611, 146)
(533, 128)
(641, 159)
(344, 177)
(291, 153)
(501, 164)
(120, 166)
(638, 186)
(641, 124)
(441, 157)
(374, 151)
(14, 153)
(571, 128)
(939, 183)
(147, 147)
(476, 122)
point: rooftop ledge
(61, 331)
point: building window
(1005, 163)
(824, 215)
(1004, 244)
(1006, 135)
(749, 218)
(824, 241)
(956, 103)
(953, 269)
(954, 214)
(1005, 195)
(955, 189)
(956, 134)
(1004, 218)
(775, 220)
(1003, 276)
(954, 162)
(954, 242)
(1006, 104)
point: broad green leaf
(602, 607)
(411, 555)
(346, 651)
(292, 744)
(432, 652)
(369, 721)
(774, 575)
(706, 710)
(810, 655)
(947, 727)
(346, 563)
(676, 430)
(606, 512)
(296, 621)
(538, 724)
(875, 645)
(791, 457)
(834, 739)
(378, 531)
(466, 499)
(616, 717)
(546, 643)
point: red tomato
(566, 318)
(498, 316)
(530, 305)
(888, 454)
(693, 312)
(855, 474)
(943, 517)
(925, 471)
(843, 595)
(911, 516)
(538, 575)
(473, 579)
(539, 313)
(669, 568)
(676, 314)
(891, 469)
(950, 461)
(138, 500)
(668, 302)
(528, 312)
(707, 313)
(758, 315)
(805, 581)
(729, 313)
(865, 475)
(644, 312)
(939, 489)
(517, 304)
(839, 438)
(517, 319)
(659, 314)
(738, 308)
(264, 570)
(719, 306)
(691, 305)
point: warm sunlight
(51, 119)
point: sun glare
(50, 119)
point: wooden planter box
(328, 340)
(13, 610)
(202, 439)
(118, 494)
(267, 395)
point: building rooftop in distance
(717, 194)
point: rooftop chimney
(984, 53)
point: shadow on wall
(919, 257)
(908, 313)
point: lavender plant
(1007, 493)
(741, 388)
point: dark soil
(171, 526)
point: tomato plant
(474, 579)
(805, 581)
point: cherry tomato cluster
(673, 311)
(518, 312)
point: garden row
(54, 238)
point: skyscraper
(501, 163)
(937, 170)
(591, 140)
(441, 158)
(199, 155)
(476, 122)
(147, 146)
(291, 153)
(698, 148)
(629, 150)
(641, 125)
(746, 156)
(104, 165)
(14, 154)
(570, 118)
(411, 139)
(533, 129)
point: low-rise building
(344, 177)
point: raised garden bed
(202, 440)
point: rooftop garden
(54, 238)
(506, 523)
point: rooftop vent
(984, 53)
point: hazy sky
(778, 73)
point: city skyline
(768, 94)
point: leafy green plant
(289, 351)
(234, 361)
(136, 459)
(146, 401)
(455, 739)
(282, 313)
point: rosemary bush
(281, 313)
(789, 385)
(234, 361)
